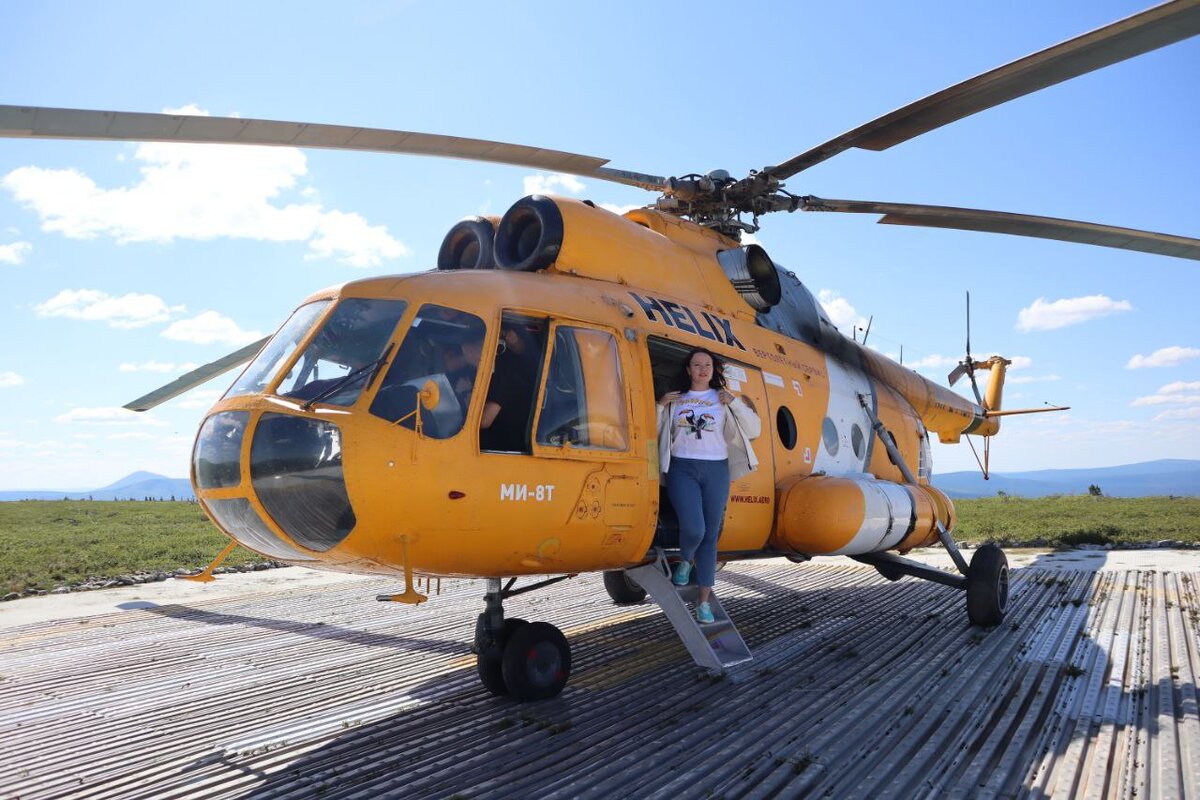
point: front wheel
(987, 586)
(537, 662)
(490, 666)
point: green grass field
(1079, 519)
(46, 544)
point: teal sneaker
(704, 613)
(682, 574)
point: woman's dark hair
(683, 381)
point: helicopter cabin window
(584, 401)
(278, 351)
(345, 354)
(433, 375)
(508, 408)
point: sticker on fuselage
(773, 379)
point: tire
(987, 586)
(490, 667)
(537, 662)
(622, 589)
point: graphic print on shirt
(696, 425)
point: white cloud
(1165, 357)
(209, 327)
(1180, 386)
(128, 311)
(10, 379)
(935, 361)
(107, 415)
(1179, 413)
(558, 183)
(361, 244)
(1043, 316)
(840, 312)
(158, 366)
(1033, 378)
(201, 192)
(1020, 362)
(1179, 393)
(14, 253)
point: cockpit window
(277, 351)
(435, 370)
(337, 363)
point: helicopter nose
(295, 472)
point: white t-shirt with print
(698, 427)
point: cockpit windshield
(353, 336)
(277, 351)
(439, 358)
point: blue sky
(122, 264)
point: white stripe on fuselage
(845, 384)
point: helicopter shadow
(316, 630)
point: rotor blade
(970, 219)
(68, 123)
(196, 377)
(1149, 30)
(957, 373)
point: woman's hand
(668, 398)
(725, 397)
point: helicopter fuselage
(392, 471)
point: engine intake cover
(753, 274)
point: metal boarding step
(715, 646)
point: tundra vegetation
(48, 544)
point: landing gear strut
(523, 660)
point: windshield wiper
(372, 367)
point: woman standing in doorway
(704, 434)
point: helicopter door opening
(507, 418)
(750, 511)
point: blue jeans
(699, 491)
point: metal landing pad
(859, 688)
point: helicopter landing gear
(987, 586)
(523, 660)
(621, 589)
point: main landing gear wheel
(987, 586)
(489, 661)
(621, 589)
(536, 662)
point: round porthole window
(785, 424)
(857, 441)
(829, 436)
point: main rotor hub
(718, 201)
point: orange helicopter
(359, 438)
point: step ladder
(716, 645)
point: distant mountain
(135, 486)
(1165, 477)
